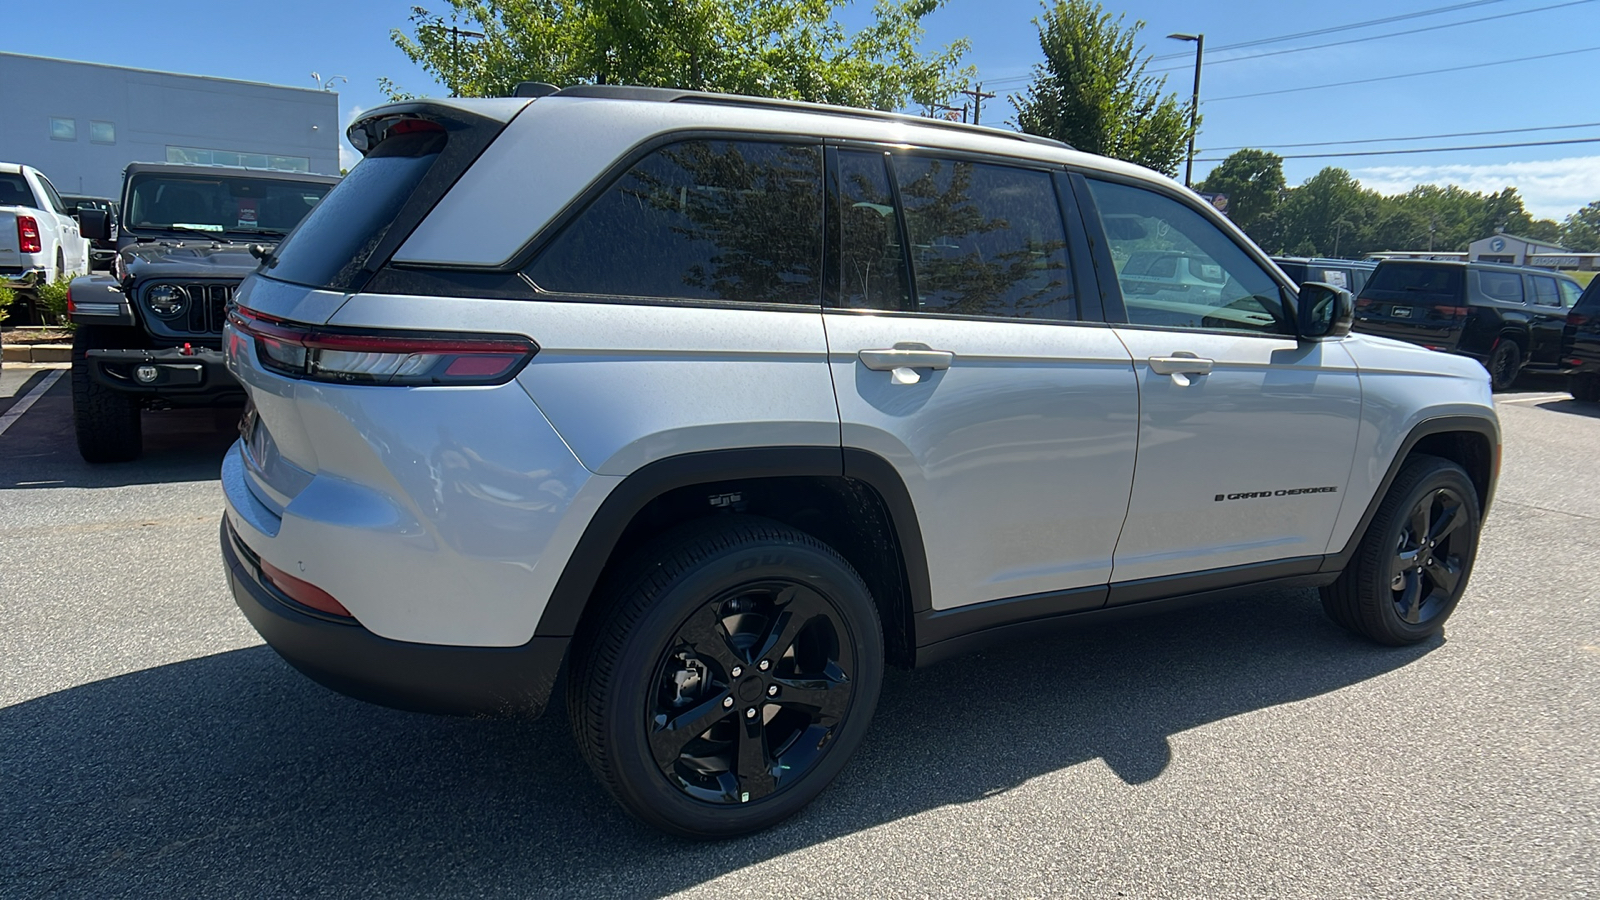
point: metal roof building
(81, 123)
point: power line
(1316, 87)
(1593, 140)
(1378, 37)
(1337, 28)
(1417, 137)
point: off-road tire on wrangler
(1585, 388)
(106, 421)
(1505, 364)
(1413, 563)
(759, 642)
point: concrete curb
(37, 353)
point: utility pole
(1199, 41)
(456, 34)
(978, 96)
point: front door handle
(904, 359)
(1181, 363)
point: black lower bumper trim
(467, 681)
(202, 370)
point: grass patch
(1584, 277)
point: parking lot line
(22, 406)
(1534, 398)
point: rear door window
(872, 264)
(699, 220)
(1503, 286)
(986, 240)
(1545, 291)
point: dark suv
(1506, 317)
(1350, 274)
(149, 335)
(1581, 345)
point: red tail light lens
(303, 592)
(381, 358)
(1577, 320)
(28, 234)
(1451, 312)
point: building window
(203, 156)
(102, 132)
(63, 129)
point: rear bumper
(469, 681)
(24, 277)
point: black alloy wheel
(1412, 565)
(1585, 387)
(1505, 364)
(1426, 570)
(728, 676)
(751, 692)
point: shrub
(53, 297)
(6, 296)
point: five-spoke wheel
(731, 680)
(1412, 564)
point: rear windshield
(222, 204)
(1419, 282)
(14, 191)
(345, 228)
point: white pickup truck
(39, 242)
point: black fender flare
(1336, 562)
(589, 557)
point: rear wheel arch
(851, 500)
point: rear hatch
(1421, 303)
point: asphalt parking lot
(150, 746)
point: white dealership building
(81, 123)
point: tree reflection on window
(699, 220)
(986, 240)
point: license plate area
(1401, 312)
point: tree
(1581, 231)
(791, 49)
(1253, 181)
(1091, 90)
(1329, 215)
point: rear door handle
(906, 358)
(1181, 363)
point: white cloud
(1551, 189)
(348, 157)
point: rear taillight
(381, 357)
(1577, 319)
(303, 592)
(1451, 312)
(1365, 303)
(28, 234)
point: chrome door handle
(906, 358)
(1181, 363)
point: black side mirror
(1326, 312)
(94, 224)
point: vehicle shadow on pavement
(232, 775)
(40, 450)
(1572, 407)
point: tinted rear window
(348, 224)
(14, 191)
(1503, 286)
(1421, 282)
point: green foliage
(7, 297)
(1092, 91)
(1581, 231)
(791, 49)
(53, 297)
(1253, 181)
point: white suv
(724, 404)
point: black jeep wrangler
(150, 334)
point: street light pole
(1194, 102)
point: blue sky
(284, 41)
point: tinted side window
(1415, 282)
(872, 265)
(986, 240)
(1505, 286)
(1545, 292)
(699, 220)
(1178, 270)
(1569, 294)
(51, 197)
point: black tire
(1505, 364)
(693, 610)
(1380, 595)
(1585, 388)
(106, 421)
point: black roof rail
(674, 95)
